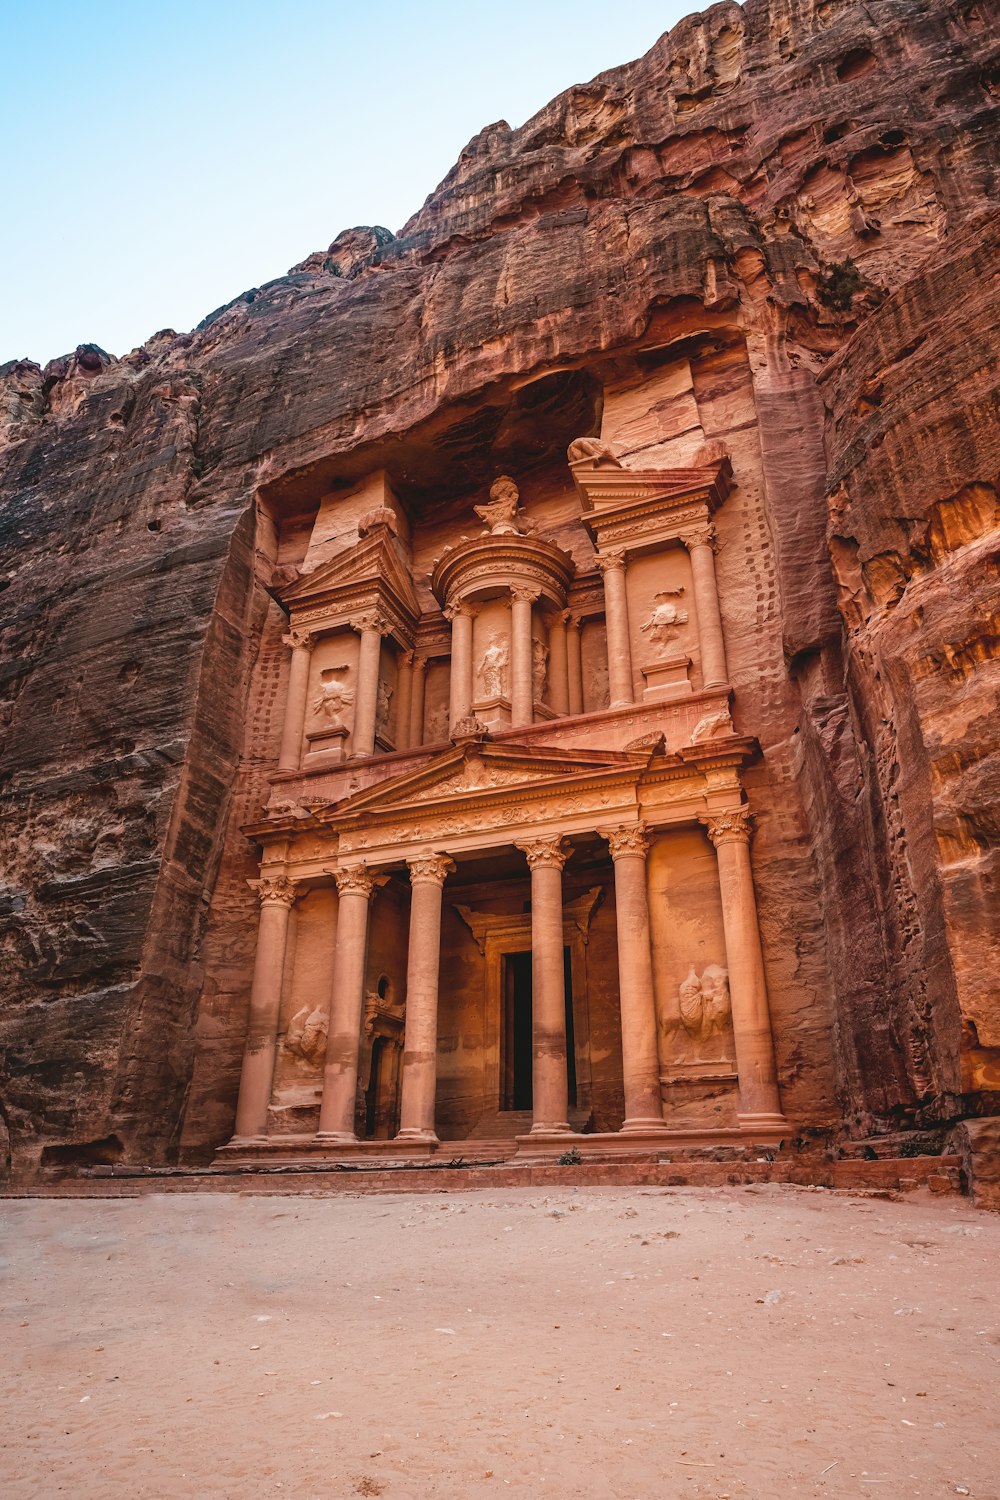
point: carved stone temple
(506, 890)
(526, 686)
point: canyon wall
(807, 186)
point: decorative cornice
(432, 869)
(275, 890)
(546, 853)
(355, 880)
(733, 826)
(627, 841)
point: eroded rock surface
(793, 197)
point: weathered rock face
(793, 197)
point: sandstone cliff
(821, 174)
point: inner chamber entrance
(515, 1032)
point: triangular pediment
(476, 771)
(374, 561)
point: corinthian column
(760, 1103)
(461, 616)
(428, 873)
(277, 896)
(416, 737)
(640, 1060)
(612, 565)
(290, 753)
(340, 1075)
(558, 664)
(404, 696)
(549, 1092)
(522, 689)
(700, 544)
(372, 628)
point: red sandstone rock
(773, 192)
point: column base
(415, 1134)
(561, 1127)
(237, 1141)
(335, 1138)
(766, 1120)
(644, 1125)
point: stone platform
(889, 1176)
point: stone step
(506, 1124)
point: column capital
(299, 640)
(527, 593)
(431, 868)
(461, 607)
(630, 839)
(405, 658)
(610, 562)
(699, 536)
(371, 620)
(546, 852)
(355, 880)
(419, 662)
(275, 890)
(733, 826)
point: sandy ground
(604, 1342)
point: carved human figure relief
(306, 1035)
(493, 669)
(663, 623)
(704, 1002)
(383, 704)
(539, 667)
(333, 698)
(501, 515)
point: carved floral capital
(275, 890)
(299, 640)
(371, 621)
(463, 607)
(734, 826)
(355, 880)
(431, 868)
(631, 839)
(610, 562)
(525, 593)
(542, 853)
(699, 536)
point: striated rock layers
(780, 227)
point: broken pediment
(344, 582)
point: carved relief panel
(663, 627)
(330, 701)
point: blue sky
(161, 158)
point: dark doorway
(515, 1035)
(381, 1102)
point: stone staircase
(507, 1124)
